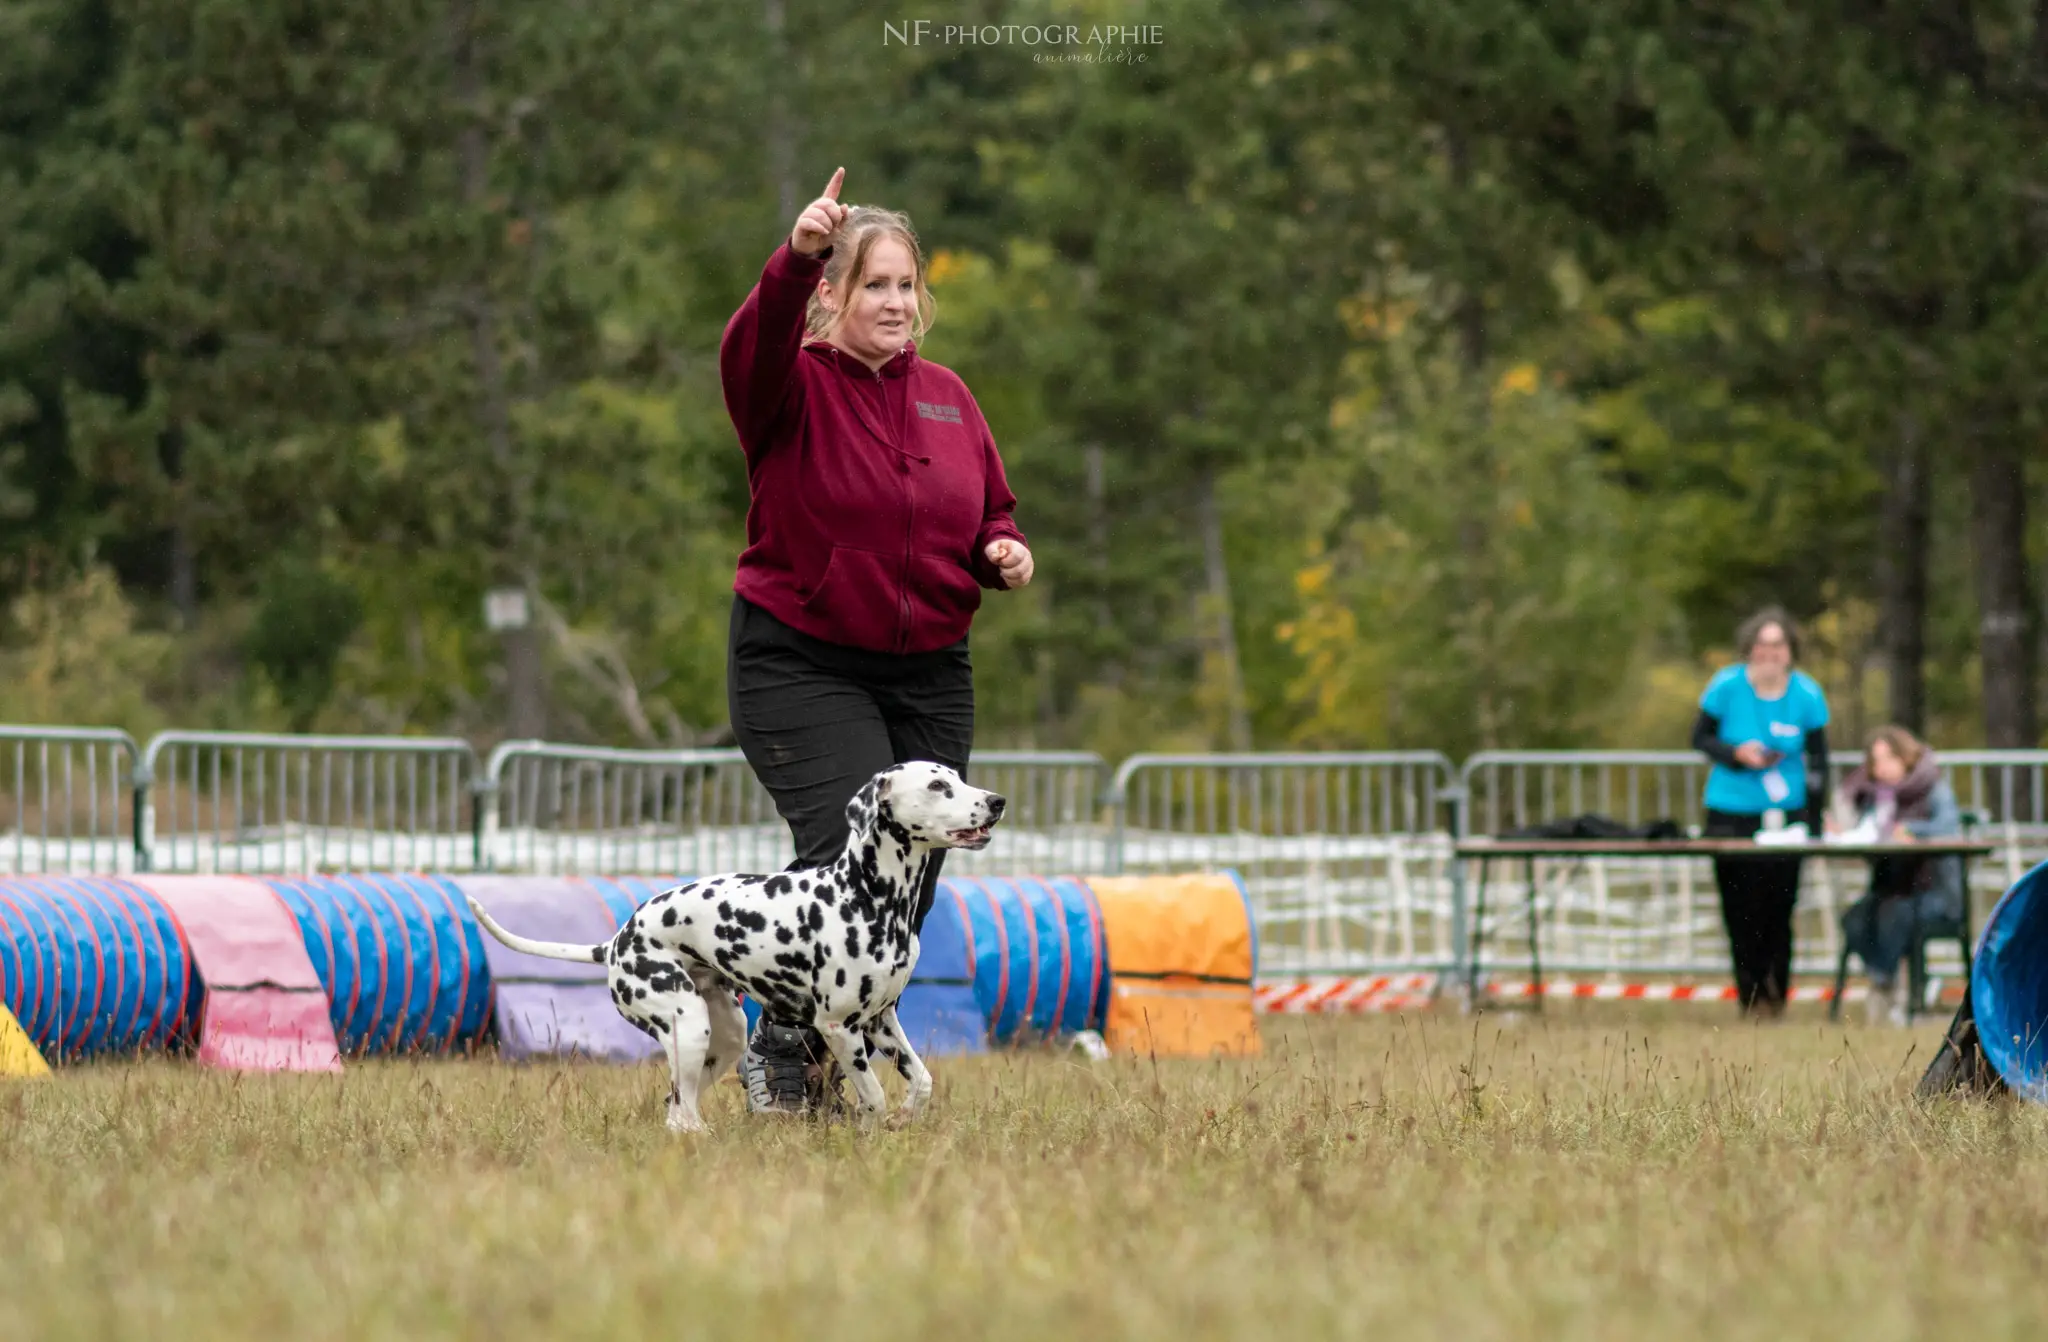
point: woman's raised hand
(820, 219)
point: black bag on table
(1596, 827)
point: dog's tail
(553, 950)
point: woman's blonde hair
(1900, 742)
(855, 239)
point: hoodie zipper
(909, 526)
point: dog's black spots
(860, 1064)
(750, 919)
(622, 940)
(687, 920)
(776, 886)
(597, 953)
(803, 887)
(867, 986)
(668, 917)
(853, 943)
(725, 909)
(817, 920)
(783, 936)
(841, 977)
(793, 960)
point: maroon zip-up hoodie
(874, 494)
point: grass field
(1586, 1176)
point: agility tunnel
(2009, 987)
(1184, 950)
(298, 973)
(262, 1007)
(400, 959)
(547, 1007)
(1039, 956)
(92, 965)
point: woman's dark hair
(1746, 634)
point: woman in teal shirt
(1763, 725)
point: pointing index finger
(832, 187)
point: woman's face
(1771, 653)
(878, 310)
(1885, 765)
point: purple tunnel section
(547, 1007)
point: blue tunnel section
(400, 956)
(93, 965)
(2009, 986)
(1040, 962)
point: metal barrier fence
(586, 810)
(245, 801)
(1346, 857)
(66, 799)
(1662, 915)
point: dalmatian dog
(830, 945)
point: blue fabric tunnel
(2009, 986)
(92, 964)
(400, 957)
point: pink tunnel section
(265, 1010)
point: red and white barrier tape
(1387, 992)
(1408, 992)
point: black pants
(1757, 895)
(816, 720)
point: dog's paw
(682, 1125)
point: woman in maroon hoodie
(878, 514)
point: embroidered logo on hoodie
(944, 414)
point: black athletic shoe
(790, 1071)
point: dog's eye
(936, 786)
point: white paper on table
(1790, 836)
(1864, 831)
(1775, 787)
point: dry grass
(1590, 1176)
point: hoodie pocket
(943, 594)
(859, 593)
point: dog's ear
(860, 812)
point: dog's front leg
(850, 1048)
(897, 1045)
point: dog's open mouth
(970, 838)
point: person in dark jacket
(1763, 724)
(879, 514)
(1900, 793)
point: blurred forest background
(1436, 373)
